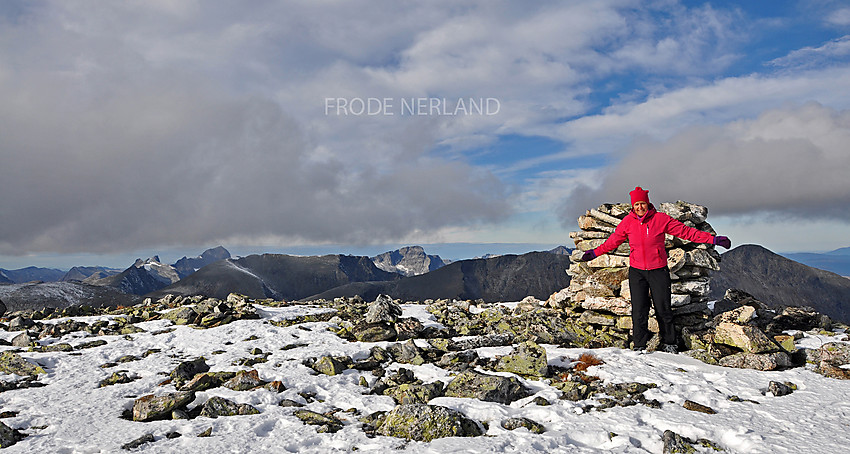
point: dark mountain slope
(502, 278)
(777, 280)
(277, 276)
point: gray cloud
(790, 162)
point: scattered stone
(331, 365)
(780, 389)
(244, 380)
(173, 435)
(116, 378)
(150, 407)
(205, 433)
(91, 344)
(146, 438)
(327, 424)
(427, 423)
(675, 443)
(409, 393)
(219, 406)
(516, 423)
(187, 370)
(289, 403)
(527, 359)
(489, 388)
(693, 406)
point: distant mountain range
(837, 261)
(501, 278)
(277, 276)
(778, 280)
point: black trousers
(641, 282)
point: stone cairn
(601, 286)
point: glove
(723, 241)
(588, 256)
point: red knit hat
(640, 195)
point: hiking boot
(668, 348)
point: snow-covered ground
(73, 415)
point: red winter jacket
(646, 238)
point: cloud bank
(788, 162)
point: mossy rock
(516, 423)
(527, 359)
(427, 423)
(489, 388)
(219, 406)
(409, 393)
(13, 363)
(327, 424)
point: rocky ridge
(743, 330)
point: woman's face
(640, 208)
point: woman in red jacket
(644, 228)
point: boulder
(244, 380)
(427, 423)
(407, 353)
(383, 309)
(684, 211)
(331, 365)
(374, 332)
(219, 406)
(516, 423)
(765, 361)
(187, 370)
(489, 388)
(9, 436)
(740, 315)
(747, 338)
(527, 359)
(13, 363)
(182, 316)
(150, 407)
(327, 424)
(408, 328)
(409, 393)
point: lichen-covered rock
(327, 424)
(427, 423)
(408, 328)
(374, 332)
(244, 380)
(618, 306)
(528, 359)
(187, 370)
(116, 378)
(490, 388)
(676, 444)
(331, 365)
(748, 338)
(694, 406)
(219, 406)
(764, 361)
(409, 393)
(182, 316)
(13, 363)
(150, 407)
(516, 423)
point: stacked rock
(601, 287)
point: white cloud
(807, 57)
(839, 17)
(790, 162)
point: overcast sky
(177, 125)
